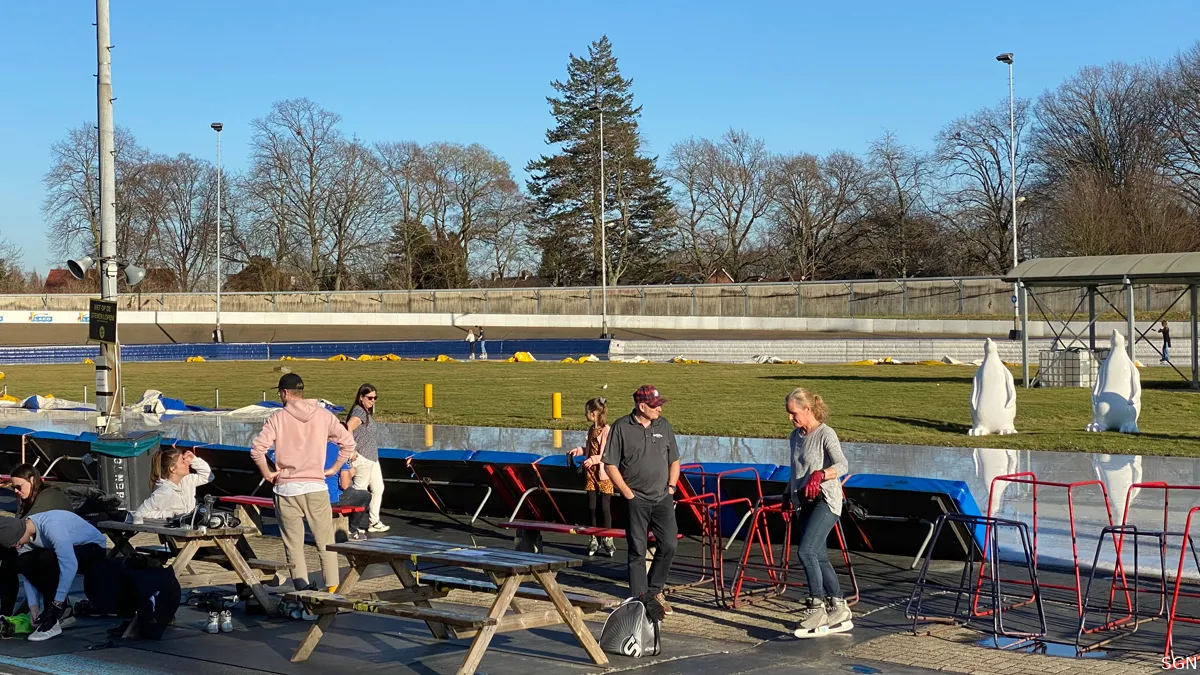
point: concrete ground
(701, 637)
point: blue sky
(804, 76)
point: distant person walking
(1166, 336)
(299, 433)
(361, 422)
(482, 344)
(642, 461)
(816, 493)
(471, 343)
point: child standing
(599, 487)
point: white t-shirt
(302, 488)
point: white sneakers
(219, 622)
(378, 527)
(41, 634)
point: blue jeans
(353, 497)
(815, 520)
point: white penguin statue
(993, 396)
(1117, 396)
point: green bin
(124, 461)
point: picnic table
(187, 544)
(506, 569)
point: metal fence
(934, 297)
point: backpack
(153, 595)
(629, 632)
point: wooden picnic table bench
(189, 545)
(506, 569)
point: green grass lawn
(925, 405)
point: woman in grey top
(816, 493)
(361, 422)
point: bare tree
(897, 206)
(72, 203)
(405, 167)
(728, 189)
(357, 213)
(1180, 86)
(819, 203)
(503, 240)
(974, 193)
(182, 206)
(1109, 162)
(295, 160)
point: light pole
(604, 334)
(1007, 58)
(218, 334)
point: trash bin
(124, 461)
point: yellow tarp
(195, 359)
(385, 357)
(521, 357)
(88, 362)
(9, 399)
(297, 358)
(680, 359)
(442, 358)
(864, 362)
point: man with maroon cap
(642, 460)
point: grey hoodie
(169, 500)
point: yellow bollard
(556, 405)
(428, 434)
(428, 398)
(558, 439)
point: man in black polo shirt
(642, 459)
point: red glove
(813, 487)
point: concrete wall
(972, 296)
(853, 349)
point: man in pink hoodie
(299, 432)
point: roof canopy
(1180, 268)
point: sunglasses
(370, 398)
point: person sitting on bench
(35, 497)
(59, 545)
(174, 484)
(355, 481)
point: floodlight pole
(108, 367)
(1007, 58)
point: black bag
(153, 595)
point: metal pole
(1195, 338)
(108, 366)
(1023, 308)
(1092, 318)
(603, 240)
(219, 336)
(1012, 166)
(1131, 337)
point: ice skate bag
(628, 631)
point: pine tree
(568, 212)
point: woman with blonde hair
(816, 493)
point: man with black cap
(642, 460)
(299, 433)
(59, 545)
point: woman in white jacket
(175, 475)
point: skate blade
(823, 630)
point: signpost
(102, 321)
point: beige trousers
(313, 507)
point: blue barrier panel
(550, 349)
